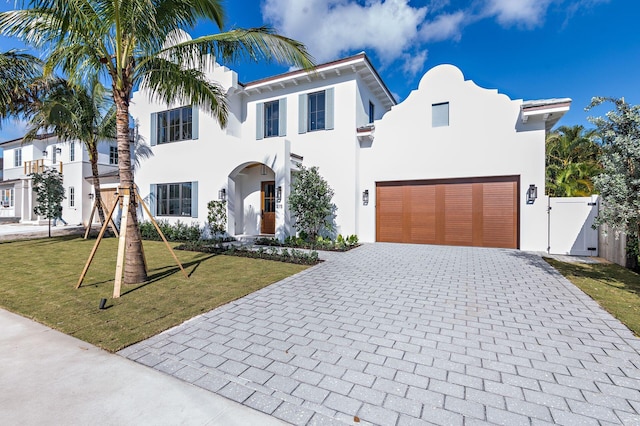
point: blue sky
(527, 49)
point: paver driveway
(408, 334)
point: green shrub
(178, 232)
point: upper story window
(271, 118)
(271, 121)
(17, 157)
(440, 114)
(316, 111)
(113, 154)
(372, 112)
(54, 155)
(174, 125)
(72, 151)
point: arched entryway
(252, 200)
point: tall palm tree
(17, 70)
(133, 43)
(571, 161)
(72, 112)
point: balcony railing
(37, 166)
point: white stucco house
(453, 164)
(70, 158)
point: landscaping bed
(294, 256)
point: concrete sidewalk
(20, 231)
(50, 378)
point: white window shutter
(153, 201)
(154, 129)
(259, 120)
(282, 117)
(194, 199)
(328, 109)
(302, 113)
(195, 122)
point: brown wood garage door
(481, 212)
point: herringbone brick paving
(409, 334)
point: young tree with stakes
(49, 194)
(137, 43)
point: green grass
(615, 288)
(39, 276)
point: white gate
(570, 225)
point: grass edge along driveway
(615, 288)
(39, 276)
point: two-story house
(452, 164)
(71, 159)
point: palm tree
(72, 112)
(17, 70)
(137, 43)
(571, 161)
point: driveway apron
(396, 334)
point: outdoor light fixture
(532, 194)
(45, 153)
(91, 196)
(279, 194)
(58, 150)
(365, 197)
(222, 195)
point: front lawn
(615, 288)
(39, 276)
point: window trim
(72, 151)
(17, 157)
(181, 200)
(437, 121)
(183, 135)
(113, 155)
(372, 112)
(10, 198)
(72, 196)
(271, 108)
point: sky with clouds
(527, 49)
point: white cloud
(331, 28)
(443, 27)
(414, 63)
(526, 13)
(394, 29)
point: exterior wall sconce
(222, 195)
(532, 194)
(58, 150)
(45, 153)
(91, 196)
(279, 194)
(365, 197)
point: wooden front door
(268, 195)
(109, 198)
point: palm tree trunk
(93, 159)
(134, 264)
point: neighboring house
(70, 158)
(452, 164)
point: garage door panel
(422, 225)
(471, 212)
(389, 214)
(458, 210)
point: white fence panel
(570, 225)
